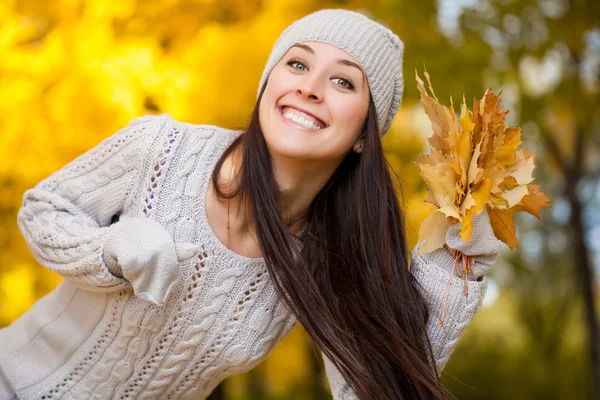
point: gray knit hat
(377, 49)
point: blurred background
(73, 72)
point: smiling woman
(190, 251)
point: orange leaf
(503, 226)
(533, 202)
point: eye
(348, 84)
(296, 61)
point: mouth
(300, 119)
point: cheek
(276, 84)
(349, 115)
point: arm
(432, 271)
(65, 218)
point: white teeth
(300, 120)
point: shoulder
(173, 139)
(200, 136)
(203, 130)
(165, 120)
(165, 131)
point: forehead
(325, 49)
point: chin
(290, 147)
(287, 141)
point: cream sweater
(92, 337)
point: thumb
(185, 251)
(483, 240)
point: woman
(190, 251)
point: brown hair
(350, 287)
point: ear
(359, 145)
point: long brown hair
(348, 283)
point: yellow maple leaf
(506, 154)
(434, 229)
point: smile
(298, 120)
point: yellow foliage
(291, 363)
(16, 291)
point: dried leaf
(524, 169)
(514, 196)
(480, 197)
(440, 181)
(503, 226)
(474, 170)
(533, 202)
(506, 153)
(433, 229)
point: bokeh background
(73, 72)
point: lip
(281, 107)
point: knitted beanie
(378, 50)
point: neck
(299, 182)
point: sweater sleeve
(65, 217)
(459, 311)
(439, 284)
(433, 271)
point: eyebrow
(341, 61)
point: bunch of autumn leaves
(479, 166)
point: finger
(113, 266)
(186, 251)
(152, 299)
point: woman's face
(324, 91)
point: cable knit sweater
(93, 337)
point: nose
(309, 89)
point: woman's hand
(481, 252)
(142, 251)
(484, 246)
